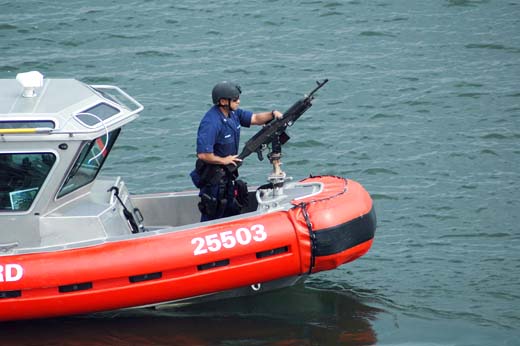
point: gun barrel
(320, 84)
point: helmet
(225, 90)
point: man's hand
(217, 160)
(277, 114)
(231, 159)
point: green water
(422, 108)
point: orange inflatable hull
(319, 233)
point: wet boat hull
(318, 232)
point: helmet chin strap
(226, 107)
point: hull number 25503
(228, 239)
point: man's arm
(262, 118)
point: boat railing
(8, 247)
(105, 92)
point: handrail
(24, 130)
(8, 247)
(139, 108)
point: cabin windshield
(21, 178)
(89, 162)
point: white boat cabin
(55, 135)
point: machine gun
(275, 129)
(274, 133)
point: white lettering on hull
(10, 272)
(228, 239)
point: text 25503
(228, 239)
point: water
(422, 108)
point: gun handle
(260, 155)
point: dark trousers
(218, 201)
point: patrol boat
(72, 242)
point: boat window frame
(26, 190)
(82, 156)
(100, 120)
(24, 124)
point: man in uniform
(218, 141)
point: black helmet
(225, 90)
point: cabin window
(95, 115)
(89, 162)
(21, 178)
(24, 124)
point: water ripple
(4, 26)
(492, 46)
